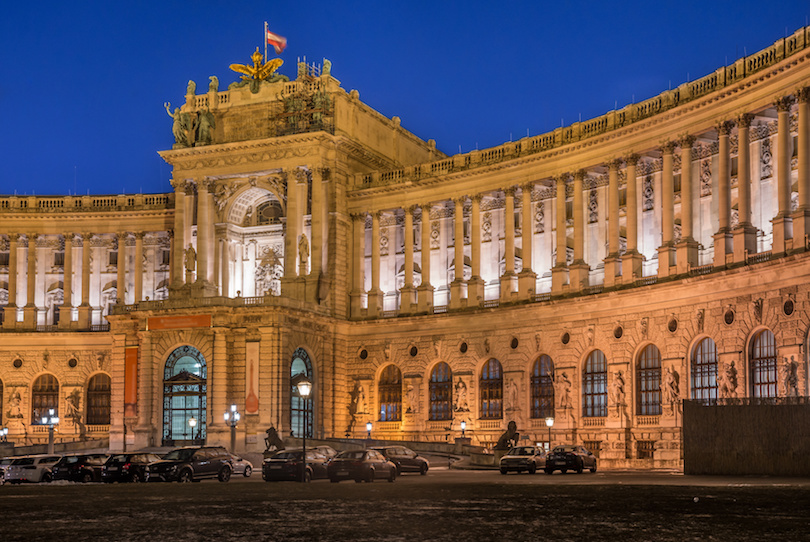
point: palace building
(598, 274)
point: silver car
(31, 468)
(242, 466)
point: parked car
(326, 451)
(191, 464)
(79, 467)
(405, 459)
(523, 458)
(565, 458)
(241, 466)
(4, 462)
(128, 467)
(359, 465)
(31, 468)
(286, 465)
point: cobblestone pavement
(444, 505)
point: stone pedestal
(456, 292)
(666, 259)
(407, 299)
(578, 275)
(527, 284)
(508, 283)
(686, 255)
(782, 231)
(801, 228)
(612, 265)
(85, 317)
(356, 303)
(375, 303)
(65, 317)
(745, 241)
(723, 244)
(559, 279)
(425, 299)
(475, 292)
(29, 317)
(10, 317)
(631, 266)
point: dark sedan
(360, 465)
(286, 465)
(128, 467)
(523, 458)
(404, 458)
(565, 458)
(192, 463)
(79, 468)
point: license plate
(342, 473)
(559, 462)
(275, 467)
(112, 469)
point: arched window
(44, 396)
(441, 392)
(543, 388)
(491, 387)
(390, 389)
(98, 400)
(301, 366)
(184, 397)
(763, 364)
(594, 386)
(703, 377)
(648, 382)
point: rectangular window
(4, 259)
(164, 257)
(113, 258)
(58, 259)
(645, 449)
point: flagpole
(265, 41)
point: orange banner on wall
(131, 382)
(179, 322)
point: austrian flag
(278, 42)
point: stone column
(85, 314)
(179, 248)
(457, 287)
(686, 251)
(375, 295)
(745, 234)
(10, 310)
(527, 279)
(320, 183)
(121, 280)
(580, 270)
(613, 261)
(137, 277)
(782, 222)
(358, 264)
(666, 252)
(801, 218)
(559, 273)
(204, 231)
(475, 286)
(632, 259)
(723, 239)
(66, 310)
(225, 262)
(507, 280)
(30, 309)
(425, 290)
(291, 238)
(407, 294)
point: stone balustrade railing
(73, 204)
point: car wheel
(224, 474)
(549, 471)
(423, 469)
(334, 480)
(248, 472)
(398, 468)
(185, 477)
(87, 477)
(564, 471)
(135, 478)
(580, 468)
(503, 470)
(593, 469)
(370, 477)
(532, 468)
(47, 478)
(393, 475)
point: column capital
(614, 164)
(14, 237)
(205, 183)
(426, 207)
(803, 94)
(668, 147)
(122, 234)
(179, 185)
(632, 159)
(510, 191)
(744, 120)
(170, 233)
(528, 186)
(783, 103)
(409, 209)
(139, 234)
(724, 127)
(579, 175)
(460, 200)
(686, 141)
(477, 198)
(87, 236)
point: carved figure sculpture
(411, 396)
(727, 382)
(617, 389)
(272, 441)
(15, 406)
(183, 127)
(790, 378)
(213, 85)
(191, 259)
(509, 438)
(670, 389)
(564, 391)
(461, 397)
(303, 248)
(73, 402)
(205, 130)
(513, 395)
(191, 89)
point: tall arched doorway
(301, 366)
(184, 397)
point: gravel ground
(412, 508)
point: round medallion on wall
(788, 307)
(728, 318)
(414, 351)
(566, 338)
(514, 343)
(363, 353)
(17, 363)
(618, 332)
(463, 348)
(672, 326)
(72, 363)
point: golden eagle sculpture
(260, 71)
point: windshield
(23, 461)
(563, 449)
(522, 450)
(182, 454)
(355, 454)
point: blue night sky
(82, 84)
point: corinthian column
(204, 233)
(475, 286)
(559, 273)
(178, 246)
(375, 295)
(121, 267)
(745, 234)
(527, 280)
(782, 222)
(612, 263)
(137, 273)
(66, 310)
(507, 280)
(425, 290)
(458, 285)
(632, 260)
(580, 270)
(666, 252)
(358, 265)
(10, 310)
(801, 218)
(722, 239)
(85, 316)
(30, 309)
(407, 294)
(687, 250)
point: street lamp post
(549, 424)
(232, 419)
(368, 428)
(463, 427)
(192, 422)
(304, 389)
(4, 434)
(50, 420)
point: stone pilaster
(178, 239)
(744, 234)
(30, 309)
(686, 251)
(375, 295)
(85, 311)
(527, 279)
(458, 286)
(66, 310)
(559, 273)
(407, 294)
(579, 269)
(666, 252)
(508, 280)
(801, 218)
(425, 290)
(722, 238)
(613, 262)
(358, 265)
(782, 222)
(121, 268)
(10, 310)
(632, 259)
(475, 286)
